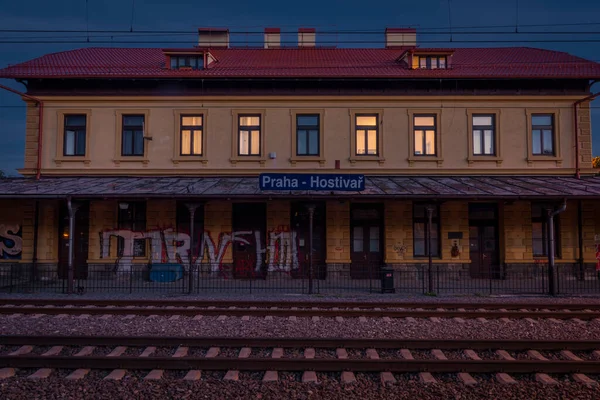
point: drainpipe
(580, 238)
(576, 128)
(40, 104)
(551, 247)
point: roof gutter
(40, 104)
(576, 128)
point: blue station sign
(327, 182)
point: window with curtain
(249, 135)
(366, 128)
(484, 134)
(191, 135)
(424, 127)
(74, 135)
(542, 134)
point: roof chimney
(213, 37)
(307, 37)
(272, 38)
(400, 37)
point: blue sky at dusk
(338, 15)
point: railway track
(113, 357)
(299, 309)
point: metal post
(311, 214)
(551, 268)
(192, 209)
(429, 209)
(72, 208)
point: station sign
(323, 182)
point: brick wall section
(19, 213)
(338, 232)
(31, 135)
(278, 215)
(217, 219)
(517, 232)
(584, 134)
(454, 217)
(398, 230)
(103, 217)
(48, 231)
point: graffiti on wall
(11, 242)
(279, 253)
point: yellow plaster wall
(338, 232)
(454, 217)
(48, 231)
(103, 217)
(217, 219)
(398, 230)
(517, 232)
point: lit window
(191, 135)
(187, 62)
(424, 130)
(366, 127)
(249, 135)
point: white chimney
(400, 37)
(272, 38)
(307, 37)
(213, 37)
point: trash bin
(387, 280)
(166, 272)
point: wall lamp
(123, 206)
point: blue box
(166, 272)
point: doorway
(366, 237)
(300, 226)
(249, 222)
(80, 242)
(483, 241)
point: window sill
(297, 159)
(143, 159)
(66, 159)
(260, 159)
(474, 159)
(412, 159)
(185, 159)
(354, 159)
(533, 158)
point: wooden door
(483, 241)
(300, 227)
(80, 242)
(366, 241)
(248, 237)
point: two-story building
(463, 151)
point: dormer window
(187, 61)
(432, 62)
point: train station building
(455, 169)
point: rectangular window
(424, 131)
(539, 227)
(191, 135)
(249, 135)
(366, 127)
(432, 62)
(187, 62)
(133, 135)
(420, 238)
(542, 132)
(132, 217)
(74, 135)
(484, 132)
(307, 134)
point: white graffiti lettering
(11, 242)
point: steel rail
(332, 343)
(302, 364)
(299, 304)
(303, 312)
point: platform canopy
(415, 187)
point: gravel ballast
(135, 388)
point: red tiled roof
(508, 62)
